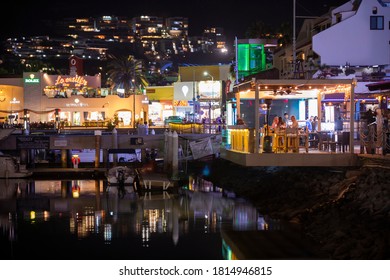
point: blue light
(206, 171)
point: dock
(67, 173)
(149, 181)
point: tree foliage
(126, 72)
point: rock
(347, 212)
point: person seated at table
(280, 129)
(274, 124)
(281, 123)
(294, 123)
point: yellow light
(32, 215)
(46, 215)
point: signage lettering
(31, 81)
(77, 80)
(76, 104)
(180, 103)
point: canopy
(382, 85)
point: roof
(382, 85)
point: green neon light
(31, 81)
(250, 58)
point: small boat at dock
(121, 175)
(121, 180)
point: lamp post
(212, 97)
(294, 40)
(193, 96)
(133, 90)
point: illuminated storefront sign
(32, 80)
(76, 103)
(180, 103)
(184, 90)
(14, 101)
(210, 89)
(78, 81)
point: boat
(121, 175)
(123, 178)
(11, 168)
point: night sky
(233, 15)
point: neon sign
(77, 80)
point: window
(376, 23)
(338, 18)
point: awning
(334, 97)
(383, 85)
(340, 96)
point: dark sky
(233, 15)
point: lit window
(376, 23)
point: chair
(279, 140)
(292, 139)
(323, 140)
(345, 141)
(313, 140)
(332, 144)
(339, 141)
(304, 140)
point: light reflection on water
(79, 219)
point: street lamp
(212, 97)
(133, 90)
(193, 97)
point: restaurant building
(78, 100)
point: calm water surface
(80, 219)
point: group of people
(284, 122)
(312, 124)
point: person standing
(338, 125)
(314, 124)
(286, 120)
(309, 126)
(370, 116)
(146, 128)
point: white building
(351, 41)
(359, 35)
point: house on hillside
(350, 41)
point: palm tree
(127, 73)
